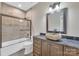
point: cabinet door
(44, 48)
(69, 51)
(55, 50)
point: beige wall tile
(6, 9)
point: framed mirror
(57, 21)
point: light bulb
(21, 20)
(50, 9)
(57, 7)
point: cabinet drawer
(55, 45)
(37, 41)
(35, 54)
(69, 51)
(37, 51)
(37, 46)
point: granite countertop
(63, 41)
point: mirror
(56, 22)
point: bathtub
(28, 45)
(11, 47)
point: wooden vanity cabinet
(55, 50)
(46, 48)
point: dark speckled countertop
(63, 41)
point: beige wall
(38, 16)
(73, 18)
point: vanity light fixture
(54, 7)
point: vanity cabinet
(55, 50)
(42, 47)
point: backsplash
(71, 37)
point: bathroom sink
(53, 36)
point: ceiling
(22, 5)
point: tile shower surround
(11, 28)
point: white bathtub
(28, 45)
(13, 46)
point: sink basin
(53, 36)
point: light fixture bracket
(54, 5)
